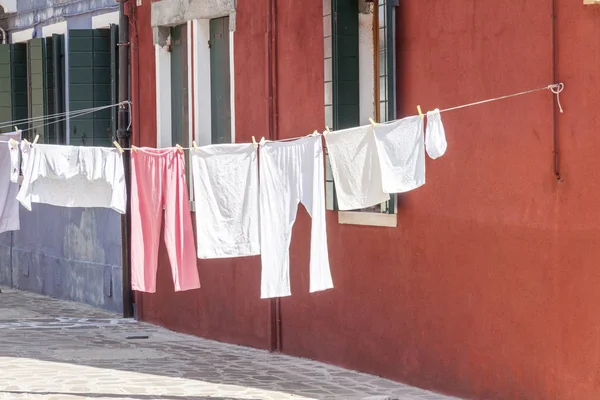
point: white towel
(401, 148)
(226, 193)
(355, 168)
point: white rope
(555, 88)
(7, 124)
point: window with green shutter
(90, 86)
(58, 88)
(342, 32)
(220, 81)
(13, 84)
(40, 93)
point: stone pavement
(55, 350)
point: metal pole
(124, 137)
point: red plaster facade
(488, 287)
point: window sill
(368, 219)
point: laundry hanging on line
(157, 183)
(9, 206)
(291, 173)
(73, 176)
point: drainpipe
(555, 143)
(124, 137)
(275, 304)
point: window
(194, 75)
(359, 78)
(65, 70)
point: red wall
(488, 288)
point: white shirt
(73, 176)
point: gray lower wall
(67, 253)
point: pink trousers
(157, 181)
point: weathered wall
(68, 253)
(175, 12)
(43, 12)
(488, 287)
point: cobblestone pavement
(55, 350)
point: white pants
(290, 173)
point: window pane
(383, 111)
(383, 63)
(382, 38)
(383, 88)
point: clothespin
(179, 148)
(262, 141)
(35, 140)
(118, 146)
(315, 133)
(134, 148)
(327, 130)
(372, 121)
(194, 145)
(17, 129)
(420, 112)
(254, 142)
(12, 142)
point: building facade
(59, 58)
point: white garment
(9, 206)
(226, 193)
(72, 176)
(290, 173)
(401, 148)
(25, 152)
(435, 137)
(355, 168)
(15, 167)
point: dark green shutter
(346, 88)
(179, 84)
(114, 78)
(13, 85)
(39, 73)
(220, 81)
(58, 79)
(90, 86)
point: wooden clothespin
(262, 141)
(315, 133)
(327, 130)
(35, 140)
(179, 148)
(372, 121)
(134, 148)
(420, 112)
(254, 142)
(194, 145)
(118, 146)
(17, 129)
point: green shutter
(346, 88)
(58, 78)
(220, 81)
(90, 86)
(39, 74)
(13, 85)
(114, 78)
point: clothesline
(75, 113)
(555, 88)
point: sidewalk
(51, 349)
